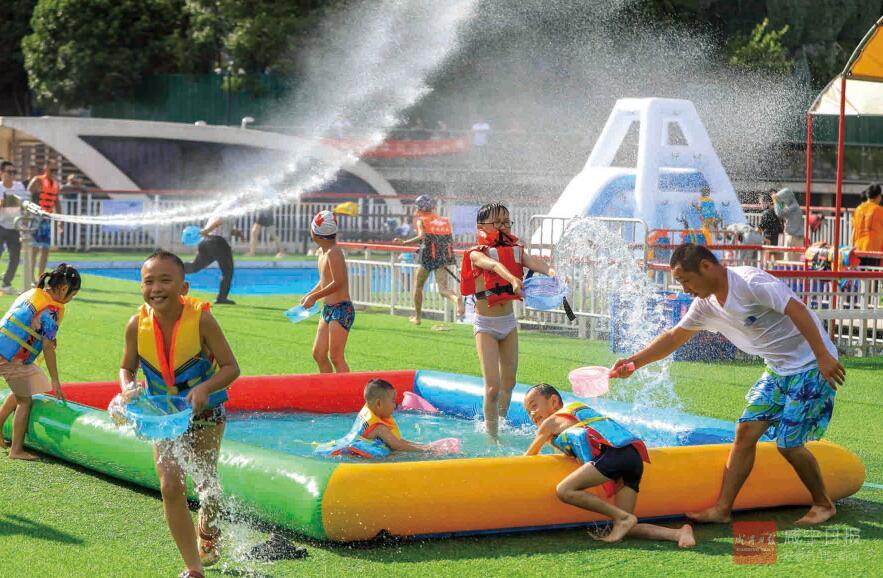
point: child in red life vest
(610, 457)
(492, 271)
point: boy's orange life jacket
(48, 193)
(496, 289)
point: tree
(83, 52)
(761, 50)
(15, 24)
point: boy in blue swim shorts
(793, 399)
(338, 313)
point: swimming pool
(295, 280)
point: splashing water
(369, 65)
(598, 261)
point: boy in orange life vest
(44, 192)
(182, 351)
(435, 254)
(610, 457)
(492, 271)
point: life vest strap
(25, 328)
(501, 290)
(15, 338)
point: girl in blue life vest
(610, 456)
(26, 331)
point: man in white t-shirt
(12, 193)
(795, 395)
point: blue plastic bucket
(544, 293)
(191, 235)
(297, 313)
(159, 417)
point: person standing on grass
(338, 312)
(436, 253)
(794, 396)
(27, 330)
(266, 220)
(14, 192)
(867, 225)
(770, 225)
(44, 192)
(182, 351)
(215, 247)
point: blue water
(246, 280)
(298, 433)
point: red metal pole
(838, 203)
(808, 177)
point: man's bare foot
(712, 515)
(620, 528)
(22, 455)
(817, 515)
(686, 539)
(280, 254)
(250, 254)
(413, 319)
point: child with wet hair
(182, 351)
(492, 271)
(27, 330)
(375, 434)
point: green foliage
(761, 50)
(15, 23)
(87, 51)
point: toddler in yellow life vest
(375, 434)
(610, 456)
(182, 351)
(28, 329)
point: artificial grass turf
(59, 519)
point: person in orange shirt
(867, 225)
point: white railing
(376, 221)
(389, 285)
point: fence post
(395, 287)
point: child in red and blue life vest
(182, 351)
(492, 271)
(28, 329)
(610, 457)
(375, 434)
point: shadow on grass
(12, 525)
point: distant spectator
(867, 225)
(14, 192)
(816, 220)
(770, 225)
(418, 130)
(441, 131)
(44, 191)
(73, 185)
(788, 209)
(481, 132)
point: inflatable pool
(349, 500)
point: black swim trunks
(436, 252)
(621, 464)
(266, 218)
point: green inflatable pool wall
(279, 488)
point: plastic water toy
(159, 417)
(191, 235)
(354, 500)
(445, 446)
(593, 381)
(297, 313)
(414, 402)
(544, 293)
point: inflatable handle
(628, 367)
(414, 402)
(445, 446)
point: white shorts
(498, 327)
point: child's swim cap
(324, 224)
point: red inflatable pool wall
(320, 393)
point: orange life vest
(496, 289)
(48, 193)
(438, 239)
